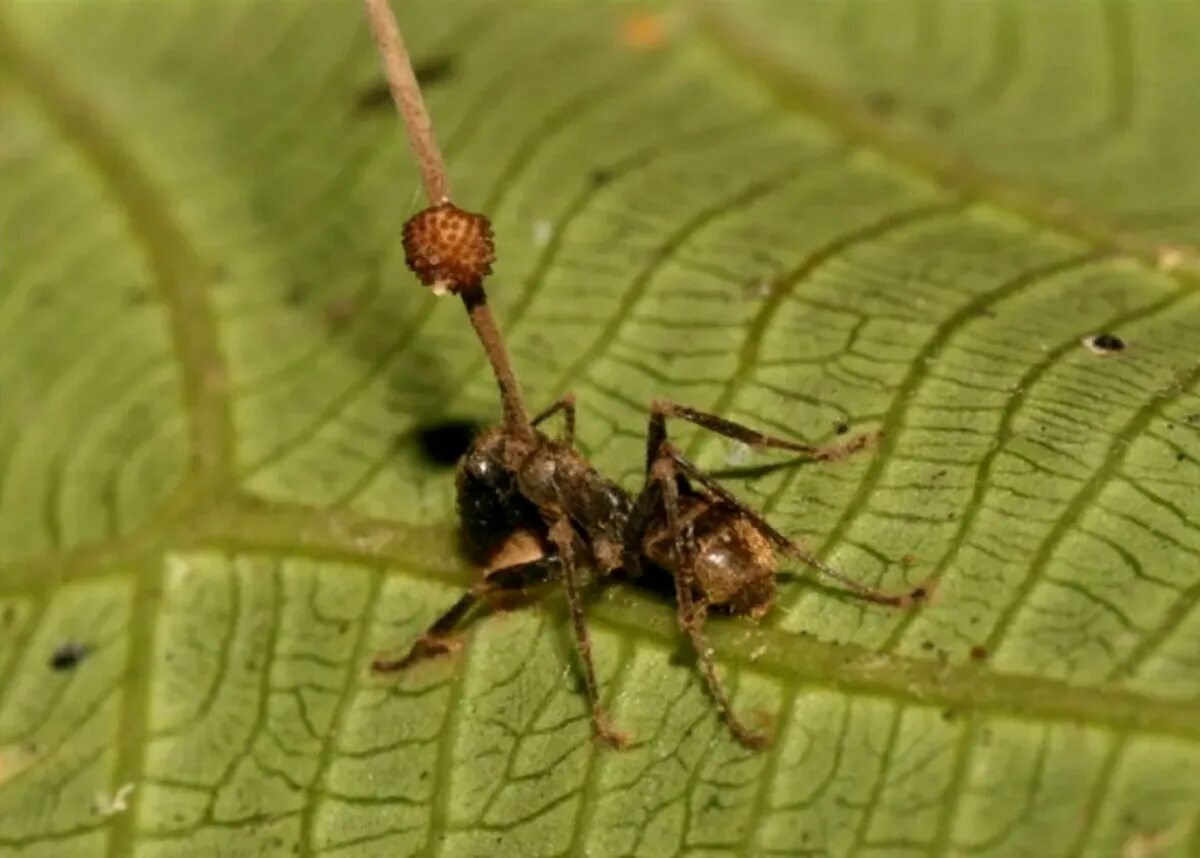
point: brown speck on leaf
(448, 248)
(908, 560)
(979, 653)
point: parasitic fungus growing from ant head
(519, 486)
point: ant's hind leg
(786, 545)
(566, 405)
(563, 537)
(692, 614)
(438, 638)
(663, 409)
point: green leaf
(214, 370)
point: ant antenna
(449, 249)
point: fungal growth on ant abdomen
(534, 510)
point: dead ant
(515, 480)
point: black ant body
(720, 553)
(516, 480)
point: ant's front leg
(662, 409)
(565, 404)
(562, 534)
(692, 614)
(439, 637)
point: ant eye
(444, 443)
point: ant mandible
(516, 480)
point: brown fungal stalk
(449, 249)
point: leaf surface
(818, 218)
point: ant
(516, 485)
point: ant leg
(437, 639)
(662, 409)
(789, 546)
(563, 537)
(692, 614)
(565, 404)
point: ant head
(490, 504)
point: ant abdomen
(733, 563)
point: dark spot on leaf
(1104, 344)
(949, 714)
(881, 102)
(430, 72)
(978, 653)
(376, 96)
(444, 443)
(68, 656)
(600, 177)
(9, 615)
(926, 645)
(295, 293)
(939, 118)
(434, 70)
(1181, 456)
(841, 427)
(911, 560)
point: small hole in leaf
(1104, 344)
(444, 443)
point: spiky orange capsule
(449, 249)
